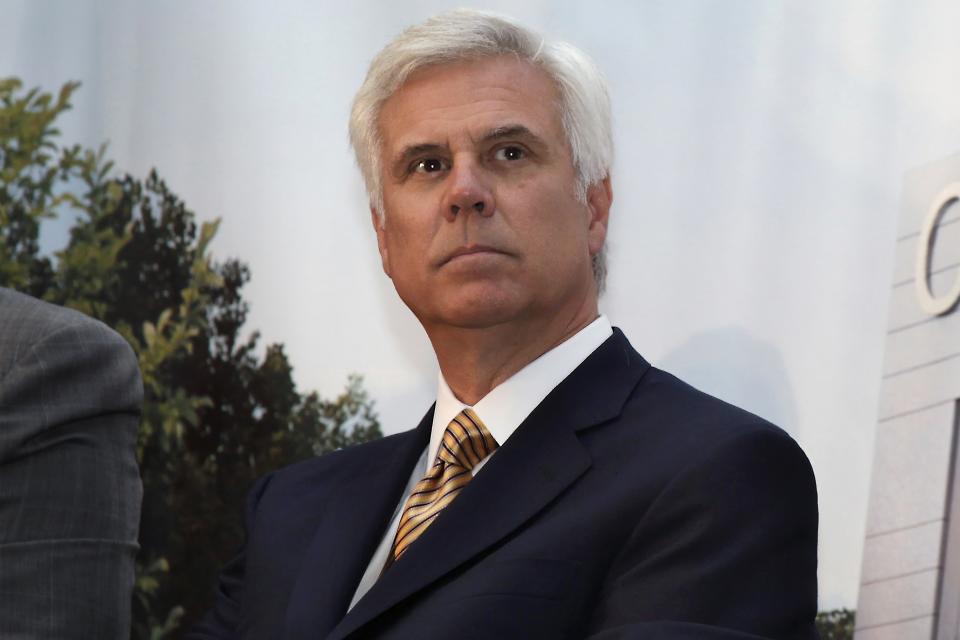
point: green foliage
(30, 167)
(147, 623)
(836, 624)
(216, 413)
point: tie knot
(466, 441)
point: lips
(468, 250)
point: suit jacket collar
(542, 459)
(353, 525)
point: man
(70, 397)
(560, 487)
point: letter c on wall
(929, 303)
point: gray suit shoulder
(25, 320)
(37, 336)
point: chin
(476, 322)
(477, 318)
(479, 312)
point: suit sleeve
(727, 551)
(222, 621)
(70, 489)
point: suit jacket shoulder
(317, 481)
(690, 421)
(42, 342)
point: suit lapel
(352, 527)
(539, 461)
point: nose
(476, 206)
(468, 192)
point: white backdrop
(760, 151)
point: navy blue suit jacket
(627, 505)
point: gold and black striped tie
(465, 443)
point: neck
(475, 360)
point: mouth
(470, 250)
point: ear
(380, 227)
(599, 199)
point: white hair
(466, 34)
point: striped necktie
(465, 443)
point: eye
(510, 153)
(428, 165)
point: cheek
(401, 218)
(408, 240)
(563, 221)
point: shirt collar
(509, 403)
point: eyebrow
(511, 131)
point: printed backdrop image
(760, 155)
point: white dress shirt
(502, 410)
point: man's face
(482, 224)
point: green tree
(31, 166)
(836, 624)
(217, 414)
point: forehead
(466, 98)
